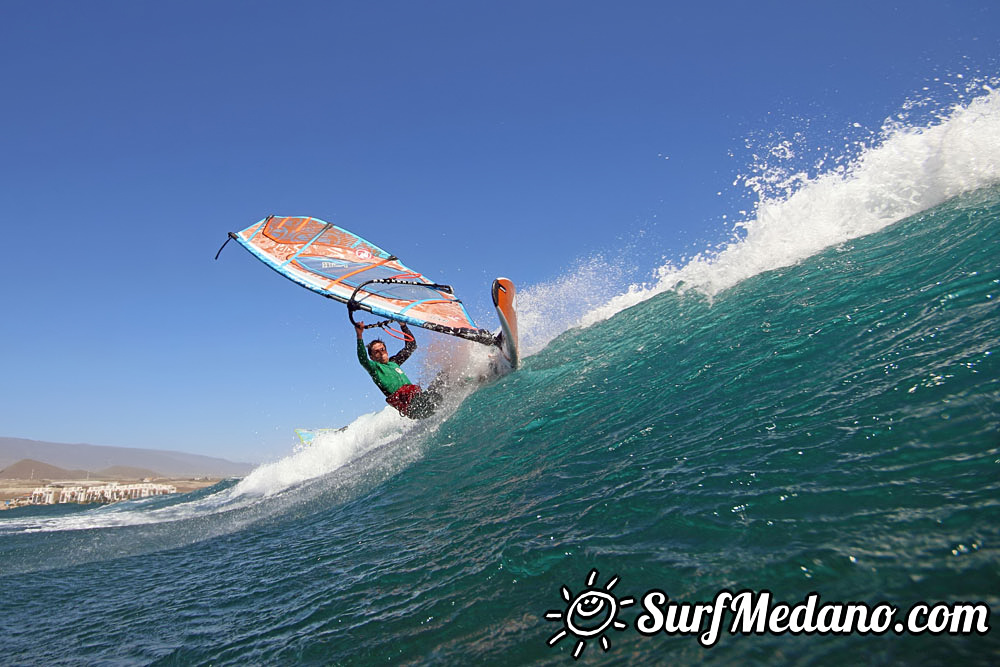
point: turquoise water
(831, 426)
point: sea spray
(906, 170)
(328, 452)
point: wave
(905, 168)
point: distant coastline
(17, 492)
(97, 473)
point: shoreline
(14, 489)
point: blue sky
(472, 139)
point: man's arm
(411, 345)
(366, 363)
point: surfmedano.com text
(754, 613)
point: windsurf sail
(342, 266)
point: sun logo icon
(589, 614)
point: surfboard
(504, 300)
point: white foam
(907, 170)
(132, 513)
(545, 310)
(328, 452)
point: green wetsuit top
(389, 377)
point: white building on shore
(104, 493)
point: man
(384, 370)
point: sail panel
(333, 261)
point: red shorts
(413, 402)
(402, 397)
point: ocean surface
(812, 408)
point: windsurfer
(385, 371)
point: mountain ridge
(27, 469)
(86, 457)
